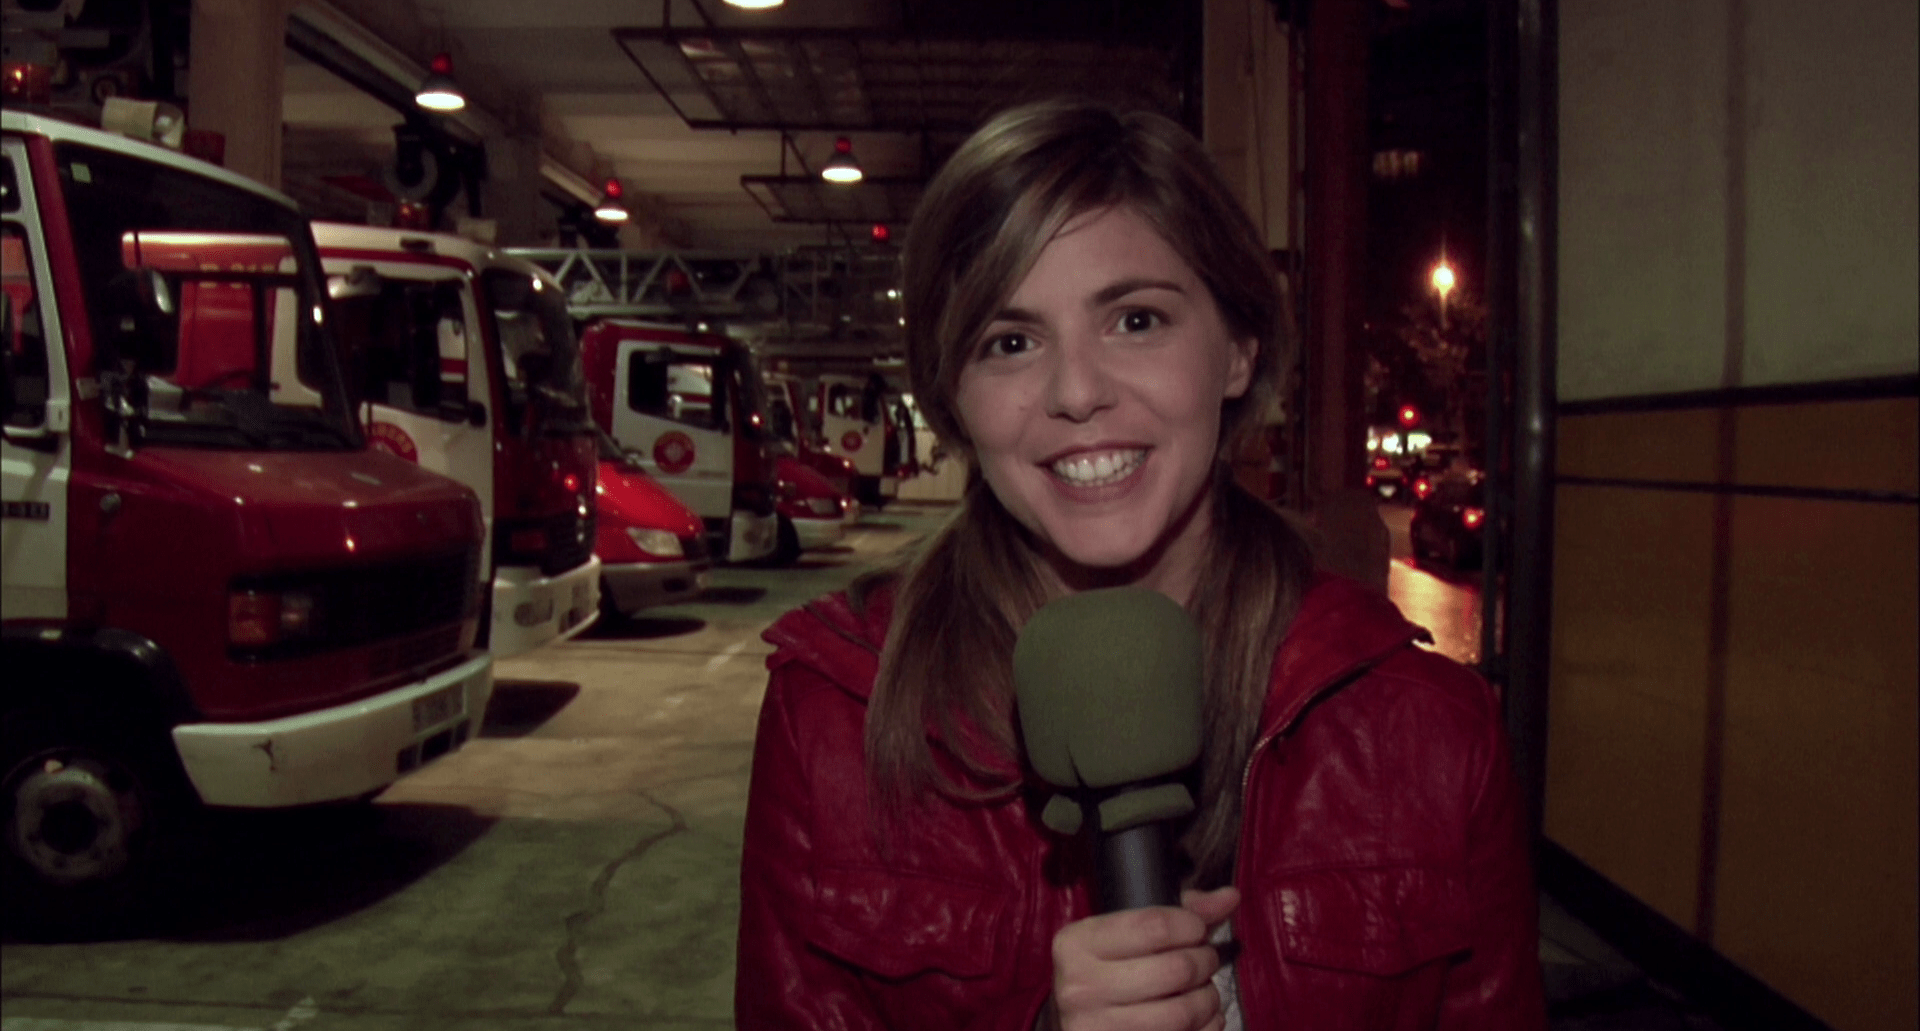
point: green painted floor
(574, 867)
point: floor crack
(597, 903)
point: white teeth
(1097, 470)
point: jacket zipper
(1262, 743)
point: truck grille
(389, 601)
(568, 539)
(396, 602)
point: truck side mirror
(155, 294)
(6, 358)
(360, 281)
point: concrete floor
(574, 867)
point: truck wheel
(85, 813)
(787, 545)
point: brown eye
(1006, 345)
(1137, 320)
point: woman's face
(1094, 403)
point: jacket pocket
(898, 925)
(1382, 921)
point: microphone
(1108, 688)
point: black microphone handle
(1137, 868)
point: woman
(1091, 323)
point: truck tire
(86, 815)
(787, 546)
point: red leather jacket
(1383, 864)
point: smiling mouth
(1098, 468)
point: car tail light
(1423, 488)
(1381, 463)
(1471, 517)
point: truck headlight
(256, 619)
(658, 543)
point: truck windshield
(204, 303)
(546, 388)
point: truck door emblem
(674, 452)
(851, 440)
(385, 436)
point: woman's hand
(1142, 969)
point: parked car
(813, 513)
(1385, 477)
(652, 548)
(1447, 523)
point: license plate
(439, 707)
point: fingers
(1144, 968)
(1138, 932)
(1211, 906)
(1090, 984)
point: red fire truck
(214, 592)
(463, 359)
(692, 410)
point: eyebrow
(1106, 295)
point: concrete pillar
(1336, 101)
(1248, 101)
(235, 75)
(512, 194)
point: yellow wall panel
(1668, 446)
(1627, 688)
(1834, 445)
(1816, 889)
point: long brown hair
(946, 679)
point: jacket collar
(828, 636)
(1341, 629)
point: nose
(1079, 381)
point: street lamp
(1443, 279)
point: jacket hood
(1341, 629)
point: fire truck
(691, 410)
(214, 592)
(463, 359)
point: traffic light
(1408, 416)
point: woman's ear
(1241, 367)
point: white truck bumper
(343, 752)
(531, 610)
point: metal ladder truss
(805, 288)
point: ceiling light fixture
(609, 208)
(842, 168)
(438, 91)
(755, 5)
